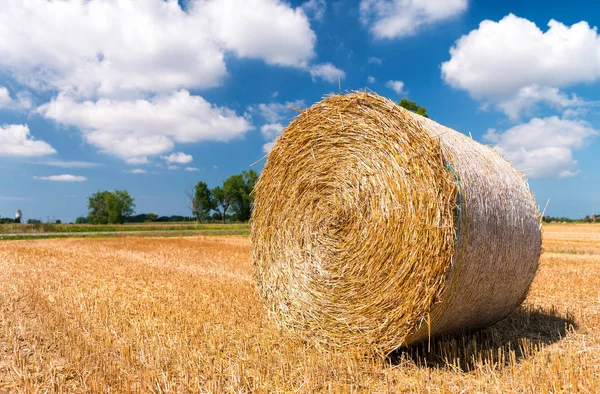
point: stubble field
(181, 315)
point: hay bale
(376, 227)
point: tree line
(234, 196)
(232, 200)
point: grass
(182, 315)
(154, 233)
(129, 227)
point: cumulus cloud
(136, 161)
(191, 169)
(178, 158)
(400, 18)
(326, 72)
(61, 178)
(270, 132)
(396, 86)
(137, 171)
(315, 9)
(544, 146)
(136, 129)
(104, 73)
(15, 140)
(370, 79)
(7, 102)
(268, 147)
(516, 67)
(70, 164)
(278, 112)
(265, 29)
(514, 60)
(375, 60)
(94, 51)
(276, 116)
(528, 98)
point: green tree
(108, 207)
(202, 202)
(81, 220)
(414, 107)
(151, 217)
(236, 194)
(245, 202)
(222, 201)
(234, 189)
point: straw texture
(375, 227)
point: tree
(222, 201)
(245, 201)
(234, 194)
(151, 217)
(412, 106)
(108, 207)
(81, 220)
(234, 189)
(202, 202)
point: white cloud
(271, 131)
(400, 18)
(7, 102)
(396, 86)
(268, 147)
(327, 72)
(498, 60)
(61, 178)
(315, 9)
(136, 161)
(528, 98)
(375, 60)
(70, 164)
(191, 169)
(370, 79)
(178, 158)
(137, 171)
(543, 147)
(15, 140)
(101, 59)
(277, 115)
(278, 112)
(93, 49)
(90, 48)
(11, 198)
(264, 29)
(136, 129)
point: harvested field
(182, 315)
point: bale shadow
(517, 337)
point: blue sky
(154, 96)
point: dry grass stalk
(181, 315)
(375, 227)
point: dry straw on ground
(375, 227)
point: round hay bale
(375, 227)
